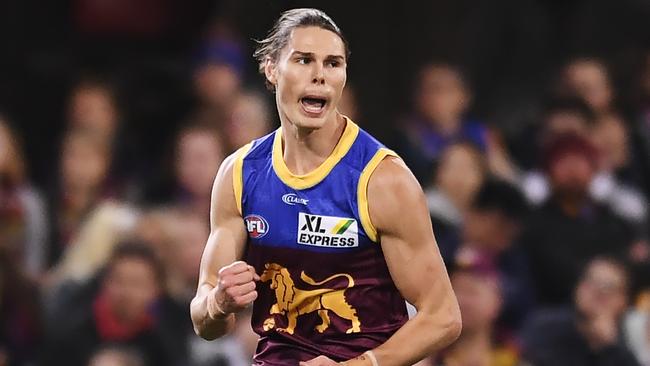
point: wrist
(367, 358)
(215, 311)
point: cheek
(337, 79)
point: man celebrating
(321, 227)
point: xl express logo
(327, 231)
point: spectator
(20, 318)
(492, 228)
(23, 221)
(122, 312)
(611, 184)
(250, 119)
(588, 79)
(85, 158)
(561, 116)
(179, 237)
(460, 174)
(617, 183)
(571, 226)
(116, 356)
(478, 289)
(218, 72)
(637, 334)
(641, 127)
(199, 153)
(590, 332)
(93, 106)
(442, 100)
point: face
(589, 80)
(490, 230)
(85, 166)
(460, 173)
(111, 357)
(602, 290)
(571, 174)
(562, 122)
(309, 76)
(131, 287)
(198, 157)
(250, 119)
(216, 84)
(478, 298)
(5, 147)
(442, 96)
(188, 246)
(610, 137)
(93, 108)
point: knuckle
(231, 292)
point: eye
(303, 60)
(333, 64)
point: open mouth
(313, 104)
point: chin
(303, 121)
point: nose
(319, 76)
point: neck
(305, 149)
(79, 197)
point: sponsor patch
(327, 231)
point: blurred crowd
(545, 234)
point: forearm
(419, 337)
(205, 326)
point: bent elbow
(454, 328)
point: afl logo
(256, 226)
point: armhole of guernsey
(237, 174)
(362, 191)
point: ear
(270, 71)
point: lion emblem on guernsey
(293, 302)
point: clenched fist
(234, 291)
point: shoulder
(258, 148)
(393, 190)
(392, 175)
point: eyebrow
(311, 54)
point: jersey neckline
(317, 175)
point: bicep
(227, 239)
(399, 212)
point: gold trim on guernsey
(237, 174)
(317, 175)
(362, 191)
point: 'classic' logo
(292, 199)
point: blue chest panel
(322, 217)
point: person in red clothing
(122, 312)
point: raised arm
(226, 285)
(399, 213)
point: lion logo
(293, 302)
